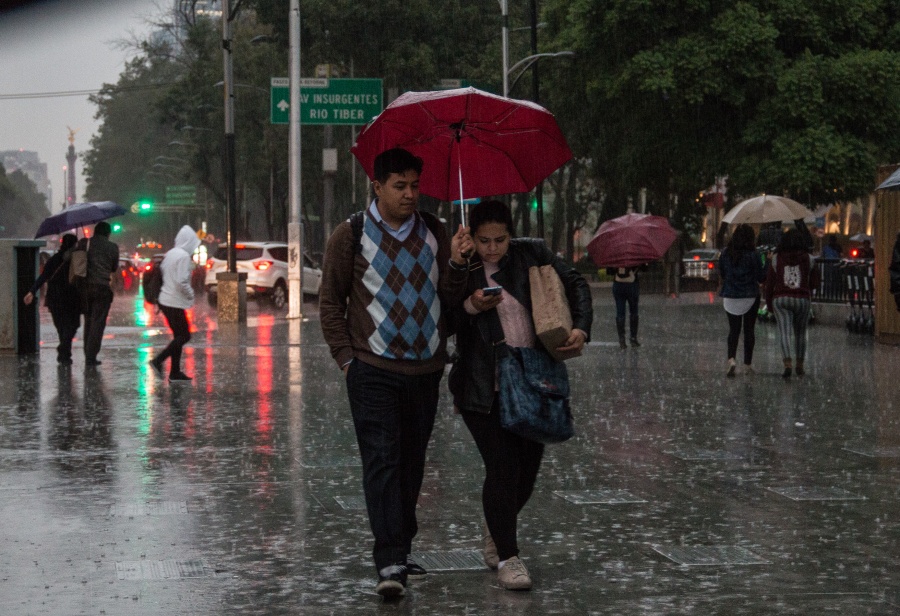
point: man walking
(102, 263)
(386, 272)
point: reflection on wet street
(683, 492)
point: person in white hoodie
(175, 297)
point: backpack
(78, 264)
(152, 283)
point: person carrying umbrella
(97, 297)
(62, 298)
(383, 283)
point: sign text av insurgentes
(329, 101)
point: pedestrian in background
(386, 274)
(790, 278)
(62, 299)
(672, 262)
(175, 297)
(626, 291)
(102, 264)
(741, 272)
(894, 271)
(511, 462)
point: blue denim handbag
(534, 395)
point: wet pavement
(683, 492)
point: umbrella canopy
(473, 143)
(766, 208)
(892, 182)
(631, 240)
(861, 237)
(79, 215)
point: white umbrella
(766, 208)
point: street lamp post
(231, 285)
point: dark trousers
(97, 300)
(748, 322)
(511, 465)
(626, 293)
(66, 321)
(393, 415)
(181, 335)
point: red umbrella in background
(473, 143)
(631, 240)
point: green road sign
(185, 194)
(328, 101)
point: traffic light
(116, 227)
(145, 206)
(534, 203)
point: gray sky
(57, 46)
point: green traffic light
(146, 206)
(116, 227)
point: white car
(265, 264)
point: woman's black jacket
(472, 377)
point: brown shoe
(513, 575)
(491, 558)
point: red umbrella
(631, 240)
(473, 143)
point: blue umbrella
(892, 183)
(79, 215)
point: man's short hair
(395, 160)
(102, 228)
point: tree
(22, 207)
(779, 95)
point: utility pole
(295, 226)
(535, 95)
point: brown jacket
(342, 309)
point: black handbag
(534, 395)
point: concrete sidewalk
(683, 492)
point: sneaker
(491, 558)
(414, 570)
(157, 367)
(513, 575)
(634, 342)
(179, 377)
(392, 581)
(731, 368)
(748, 369)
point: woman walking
(175, 297)
(626, 291)
(481, 318)
(62, 301)
(742, 271)
(789, 282)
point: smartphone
(492, 290)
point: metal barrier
(844, 280)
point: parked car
(702, 263)
(127, 278)
(266, 266)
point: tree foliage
(22, 207)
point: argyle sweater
(382, 303)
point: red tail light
(854, 252)
(710, 265)
(209, 264)
(148, 267)
(262, 265)
(696, 257)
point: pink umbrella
(631, 240)
(473, 143)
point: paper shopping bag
(550, 310)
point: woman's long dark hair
(742, 241)
(792, 241)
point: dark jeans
(181, 335)
(511, 465)
(97, 300)
(748, 322)
(393, 415)
(66, 321)
(626, 292)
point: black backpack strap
(357, 219)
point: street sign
(185, 194)
(328, 101)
